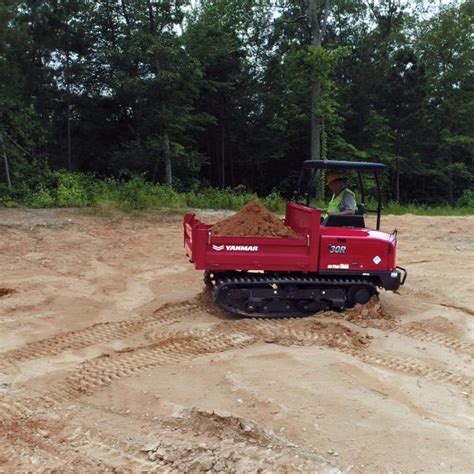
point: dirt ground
(113, 359)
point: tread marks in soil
(423, 335)
(278, 332)
(412, 367)
(97, 374)
(97, 334)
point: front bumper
(393, 280)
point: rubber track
(282, 280)
(447, 341)
(97, 334)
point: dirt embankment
(113, 358)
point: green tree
(446, 48)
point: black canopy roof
(343, 165)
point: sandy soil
(113, 359)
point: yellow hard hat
(333, 176)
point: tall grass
(396, 208)
(62, 189)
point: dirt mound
(313, 332)
(206, 303)
(371, 314)
(253, 219)
(200, 441)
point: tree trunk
(315, 121)
(151, 17)
(110, 18)
(168, 171)
(316, 33)
(318, 14)
(222, 146)
(324, 140)
(209, 154)
(68, 104)
(155, 170)
(231, 160)
(397, 179)
(450, 178)
(125, 14)
(5, 159)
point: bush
(467, 199)
(40, 198)
(47, 188)
(71, 190)
(274, 202)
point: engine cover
(356, 250)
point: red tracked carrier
(326, 268)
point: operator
(343, 201)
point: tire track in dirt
(19, 457)
(343, 344)
(97, 374)
(199, 441)
(114, 453)
(179, 346)
(373, 315)
(343, 339)
(307, 331)
(414, 367)
(32, 441)
(409, 366)
(423, 335)
(182, 444)
(19, 427)
(97, 334)
(463, 309)
(10, 408)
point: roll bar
(315, 166)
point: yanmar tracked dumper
(331, 266)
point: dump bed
(223, 252)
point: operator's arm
(347, 212)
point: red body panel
(359, 250)
(318, 249)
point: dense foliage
(106, 197)
(217, 93)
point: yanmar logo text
(236, 248)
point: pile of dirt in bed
(253, 219)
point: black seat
(346, 221)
